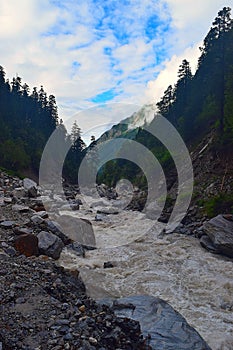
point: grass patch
(220, 204)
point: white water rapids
(175, 268)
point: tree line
(195, 105)
(204, 100)
(27, 121)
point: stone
(20, 208)
(31, 187)
(82, 308)
(153, 211)
(228, 217)
(49, 244)
(55, 228)
(207, 244)
(93, 341)
(10, 251)
(36, 219)
(107, 192)
(220, 233)
(167, 328)
(77, 249)
(77, 230)
(108, 265)
(7, 224)
(22, 230)
(19, 192)
(43, 214)
(7, 200)
(27, 244)
(108, 211)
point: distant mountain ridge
(129, 127)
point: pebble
(7, 224)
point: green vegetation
(222, 203)
(196, 104)
(27, 120)
(203, 101)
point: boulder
(49, 244)
(19, 192)
(27, 244)
(31, 187)
(207, 244)
(56, 229)
(220, 232)
(167, 328)
(77, 230)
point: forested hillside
(197, 105)
(27, 120)
(203, 101)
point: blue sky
(95, 51)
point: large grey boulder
(77, 230)
(167, 328)
(49, 244)
(31, 187)
(220, 232)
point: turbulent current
(173, 267)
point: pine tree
(166, 101)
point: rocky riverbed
(43, 306)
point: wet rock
(207, 244)
(77, 249)
(27, 244)
(49, 244)
(220, 233)
(167, 328)
(108, 265)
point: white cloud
(168, 75)
(63, 47)
(190, 27)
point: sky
(92, 52)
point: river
(173, 267)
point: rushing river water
(174, 267)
